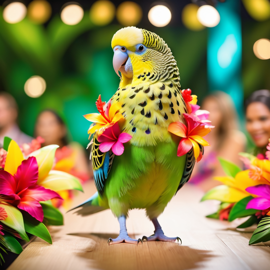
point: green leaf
(14, 220)
(12, 243)
(252, 220)
(214, 215)
(37, 228)
(229, 168)
(7, 141)
(262, 233)
(239, 209)
(52, 214)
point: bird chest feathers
(149, 108)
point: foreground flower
(189, 99)
(3, 156)
(191, 135)
(35, 144)
(22, 189)
(3, 216)
(109, 115)
(263, 201)
(112, 138)
(225, 212)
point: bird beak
(119, 60)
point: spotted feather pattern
(149, 109)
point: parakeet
(148, 173)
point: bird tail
(89, 207)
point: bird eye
(123, 49)
(141, 48)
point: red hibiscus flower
(22, 190)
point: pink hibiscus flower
(262, 202)
(113, 139)
(22, 190)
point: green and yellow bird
(149, 172)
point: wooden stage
(207, 244)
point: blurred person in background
(225, 140)
(70, 157)
(258, 120)
(8, 118)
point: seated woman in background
(225, 140)
(70, 157)
(258, 120)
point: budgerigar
(149, 172)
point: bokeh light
(72, 14)
(261, 48)
(102, 12)
(35, 86)
(258, 9)
(14, 12)
(129, 13)
(208, 16)
(190, 19)
(159, 16)
(39, 11)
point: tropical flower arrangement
(197, 126)
(27, 184)
(105, 125)
(245, 193)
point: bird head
(138, 51)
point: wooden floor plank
(207, 244)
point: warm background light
(208, 16)
(159, 16)
(14, 12)
(129, 13)
(39, 11)
(102, 12)
(258, 9)
(72, 14)
(35, 86)
(261, 48)
(190, 19)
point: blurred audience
(8, 118)
(225, 140)
(258, 120)
(70, 157)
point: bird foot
(159, 236)
(123, 238)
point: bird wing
(190, 163)
(101, 163)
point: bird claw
(139, 241)
(123, 239)
(144, 239)
(178, 240)
(159, 236)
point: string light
(102, 12)
(208, 16)
(72, 14)
(261, 48)
(35, 86)
(39, 11)
(14, 12)
(129, 13)
(159, 16)
(190, 19)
